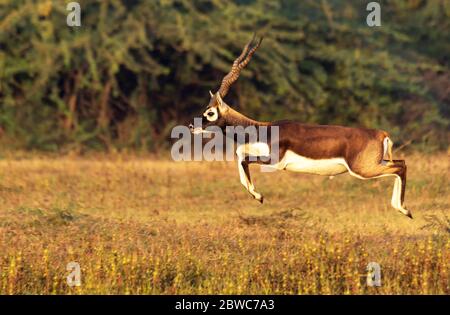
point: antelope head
(217, 112)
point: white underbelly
(297, 163)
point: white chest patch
(253, 149)
(297, 163)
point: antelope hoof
(409, 215)
(406, 212)
(259, 197)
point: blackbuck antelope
(313, 149)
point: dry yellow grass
(141, 226)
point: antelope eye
(210, 114)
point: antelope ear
(211, 93)
(222, 106)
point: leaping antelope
(313, 149)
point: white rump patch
(385, 146)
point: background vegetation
(136, 68)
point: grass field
(144, 226)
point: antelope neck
(235, 118)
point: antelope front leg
(244, 174)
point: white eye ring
(211, 114)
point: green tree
(136, 68)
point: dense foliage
(136, 68)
